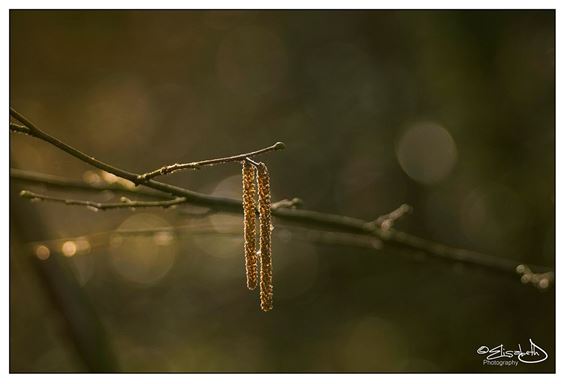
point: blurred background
(451, 112)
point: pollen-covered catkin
(266, 267)
(248, 201)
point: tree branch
(66, 184)
(95, 206)
(297, 216)
(167, 169)
(192, 197)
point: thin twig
(297, 216)
(167, 169)
(96, 206)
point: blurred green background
(451, 112)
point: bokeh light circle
(143, 259)
(427, 153)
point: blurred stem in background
(84, 327)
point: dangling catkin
(248, 201)
(266, 268)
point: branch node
(19, 129)
(541, 281)
(33, 198)
(251, 161)
(25, 194)
(293, 203)
(386, 222)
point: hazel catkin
(248, 201)
(265, 261)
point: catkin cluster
(250, 174)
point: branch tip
(279, 145)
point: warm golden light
(42, 252)
(109, 177)
(69, 248)
(163, 238)
(83, 245)
(143, 259)
(92, 177)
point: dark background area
(451, 112)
